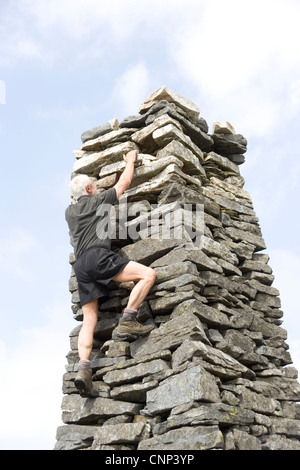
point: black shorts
(94, 270)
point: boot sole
(124, 337)
(116, 336)
(83, 389)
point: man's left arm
(126, 177)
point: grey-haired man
(96, 265)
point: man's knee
(150, 275)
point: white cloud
(32, 371)
(80, 18)
(2, 92)
(131, 88)
(62, 114)
(15, 244)
(42, 31)
(242, 57)
(295, 354)
(88, 30)
(285, 264)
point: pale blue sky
(67, 66)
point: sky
(69, 65)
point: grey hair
(78, 186)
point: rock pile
(214, 372)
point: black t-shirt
(88, 221)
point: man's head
(82, 185)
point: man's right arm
(126, 177)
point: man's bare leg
(86, 335)
(128, 326)
(137, 272)
(83, 379)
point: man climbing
(96, 265)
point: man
(96, 265)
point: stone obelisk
(215, 373)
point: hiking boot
(130, 330)
(84, 384)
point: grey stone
(166, 134)
(145, 172)
(239, 235)
(107, 182)
(134, 121)
(169, 335)
(89, 410)
(285, 426)
(148, 250)
(144, 137)
(196, 131)
(107, 140)
(133, 392)
(208, 414)
(119, 363)
(290, 372)
(278, 442)
(192, 384)
(182, 254)
(185, 438)
(127, 433)
(105, 326)
(169, 300)
(209, 315)
(257, 401)
(187, 280)
(74, 437)
(244, 441)
(190, 349)
(134, 373)
(150, 189)
(118, 167)
(223, 127)
(267, 329)
(214, 248)
(117, 349)
(268, 300)
(190, 161)
(236, 344)
(236, 158)
(283, 388)
(279, 353)
(202, 124)
(219, 161)
(164, 93)
(172, 270)
(99, 130)
(228, 144)
(91, 162)
(228, 204)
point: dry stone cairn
(215, 373)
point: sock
(129, 314)
(84, 364)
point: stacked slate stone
(215, 373)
